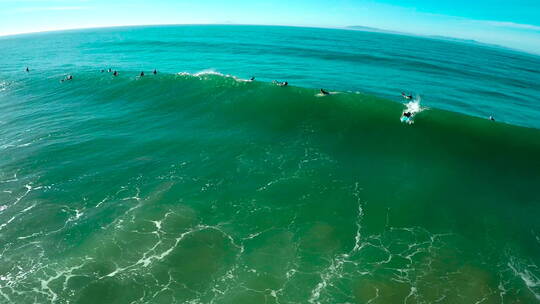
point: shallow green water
(202, 188)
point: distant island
(376, 30)
(437, 37)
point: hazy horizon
(347, 28)
(513, 25)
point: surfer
(283, 84)
(69, 77)
(115, 73)
(491, 118)
(27, 69)
(407, 117)
(252, 78)
(325, 92)
(142, 74)
(155, 72)
(102, 71)
(109, 70)
(408, 97)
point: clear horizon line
(346, 27)
(160, 24)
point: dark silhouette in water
(102, 71)
(155, 72)
(491, 118)
(282, 84)
(115, 73)
(109, 70)
(408, 97)
(325, 92)
(252, 78)
(142, 74)
(27, 69)
(69, 77)
(407, 114)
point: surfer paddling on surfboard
(69, 77)
(408, 97)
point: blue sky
(511, 23)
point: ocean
(196, 185)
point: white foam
(329, 93)
(29, 236)
(376, 296)
(414, 106)
(102, 201)
(202, 73)
(14, 179)
(3, 85)
(208, 72)
(360, 215)
(76, 216)
(332, 272)
(211, 72)
(157, 224)
(67, 274)
(28, 189)
(532, 282)
(6, 223)
(28, 208)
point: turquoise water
(192, 186)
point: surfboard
(408, 120)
